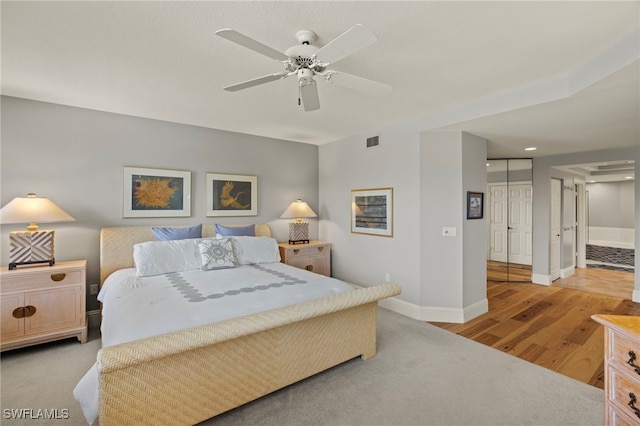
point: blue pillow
(236, 231)
(166, 234)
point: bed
(200, 367)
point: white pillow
(251, 250)
(163, 257)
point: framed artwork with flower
(156, 192)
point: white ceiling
(561, 76)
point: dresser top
(628, 324)
(42, 268)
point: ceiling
(560, 76)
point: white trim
(636, 296)
(541, 279)
(434, 313)
(567, 272)
(94, 318)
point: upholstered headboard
(116, 244)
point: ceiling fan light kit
(306, 61)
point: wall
(75, 157)
(612, 204)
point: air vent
(373, 141)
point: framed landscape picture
(156, 192)
(231, 195)
(372, 211)
(475, 205)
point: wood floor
(550, 326)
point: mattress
(138, 307)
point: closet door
(510, 227)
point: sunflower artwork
(156, 192)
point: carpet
(422, 375)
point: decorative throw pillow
(166, 234)
(232, 231)
(216, 254)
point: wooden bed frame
(189, 376)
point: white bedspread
(135, 308)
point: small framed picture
(475, 205)
(156, 192)
(231, 195)
(372, 211)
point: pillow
(216, 254)
(232, 231)
(251, 250)
(166, 234)
(163, 257)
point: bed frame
(189, 376)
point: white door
(498, 223)
(556, 221)
(520, 224)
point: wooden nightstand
(314, 257)
(622, 368)
(43, 303)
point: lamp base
(30, 247)
(298, 232)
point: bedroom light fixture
(298, 230)
(33, 245)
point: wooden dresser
(622, 368)
(314, 256)
(43, 303)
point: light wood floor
(550, 326)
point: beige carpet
(422, 375)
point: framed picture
(372, 211)
(156, 192)
(231, 195)
(475, 205)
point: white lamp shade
(297, 210)
(32, 209)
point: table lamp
(33, 245)
(298, 230)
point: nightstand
(43, 303)
(314, 256)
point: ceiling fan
(306, 61)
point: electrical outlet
(387, 277)
(93, 289)
(449, 232)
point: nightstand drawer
(40, 279)
(623, 392)
(305, 251)
(624, 350)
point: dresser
(43, 303)
(622, 368)
(314, 256)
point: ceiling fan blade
(355, 38)
(256, 81)
(252, 44)
(357, 83)
(309, 93)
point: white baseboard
(541, 279)
(567, 272)
(435, 313)
(636, 296)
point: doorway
(510, 224)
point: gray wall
(612, 204)
(75, 157)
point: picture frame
(475, 205)
(148, 192)
(372, 211)
(231, 195)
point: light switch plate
(449, 231)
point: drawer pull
(24, 311)
(632, 404)
(58, 277)
(632, 362)
(320, 249)
(296, 251)
(309, 268)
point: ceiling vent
(373, 141)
